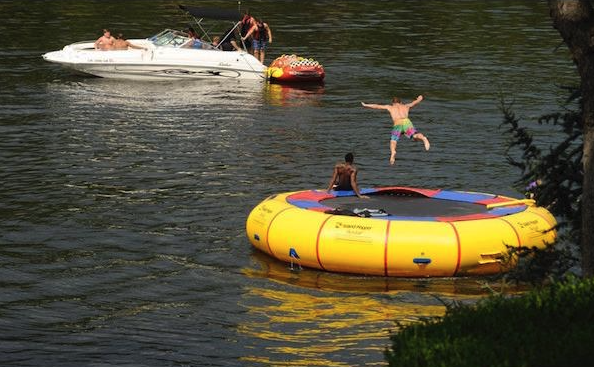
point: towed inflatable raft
(398, 231)
(295, 69)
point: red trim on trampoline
(515, 231)
(270, 225)
(311, 195)
(459, 249)
(386, 249)
(318, 242)
(320, 209)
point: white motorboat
(171, 54)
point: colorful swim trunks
(405, 127)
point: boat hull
(158, 63)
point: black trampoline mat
(407, 206)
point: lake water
(123, 204)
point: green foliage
(552, 326)
(559, 174)
(536, 266)
(559, 170)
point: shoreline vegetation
(548, 326)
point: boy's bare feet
(427, 145)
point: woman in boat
(196, 41)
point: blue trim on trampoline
(306, 204)
(507, 210)
(342, 193)
(467, 197)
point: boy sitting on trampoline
(402, 124)
(344, 177)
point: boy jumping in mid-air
(402, 124)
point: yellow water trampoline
(398, 231)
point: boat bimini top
(201, 13)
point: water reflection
(311, 317)
(270, 268)
(289, 327)
(294, 95)
(157, 97)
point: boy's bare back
(401, 124)
(398, 111)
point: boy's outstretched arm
(415, 102)
(374, 106)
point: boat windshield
(170, 37)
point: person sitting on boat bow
(122, 43)
(105, 42)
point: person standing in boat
(401, 123)
(262, 36)
(105, 42)
(344, 177)
(247, 22)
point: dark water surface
(123, 204)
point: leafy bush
(538, 266)
(558, 171)
(552, 326)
